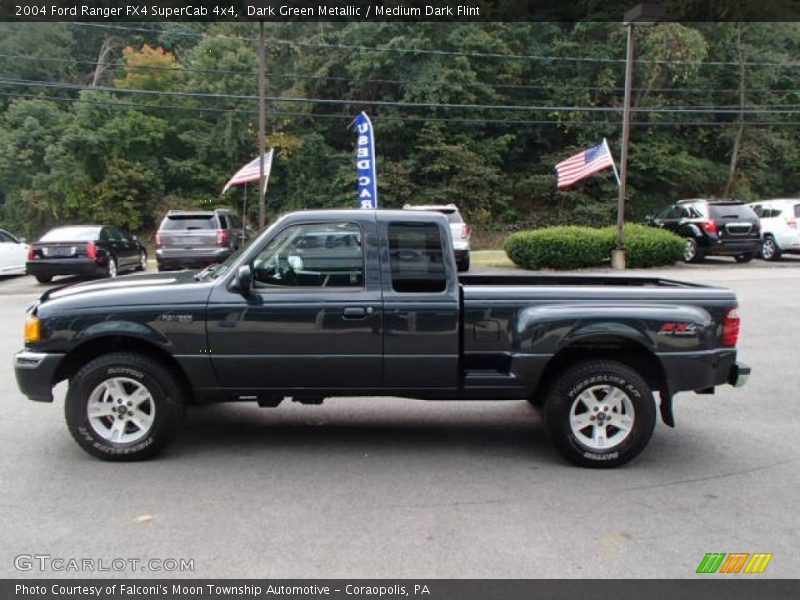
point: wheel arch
(621, 348)
(98, 346)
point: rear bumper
(730, 247)
(177, 259)
(694, 371)
(34, 372)
(65, 266)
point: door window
(317, 255)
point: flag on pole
(251, 172)
(584, 163)
(365, 163)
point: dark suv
(712, 227)
(190, 239)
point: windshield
(71, 234)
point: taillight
(792, 223)
(91, 250)
(222, 236)
(158, 239)
(31, 254)
(466, 232)
(709, 226)
(730, 327)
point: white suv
(460, 231)
(779, 232)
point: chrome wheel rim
(689, 250)
(602, 417)
(121, 410)
(112, 267)
(768, 248)
(143, 261)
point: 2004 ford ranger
(368, 303)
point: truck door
(313, 319)
(420, 304)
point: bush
(650, 247)
(576, 247)
(569, 247)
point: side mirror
(244, 280)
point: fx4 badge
(678, 329)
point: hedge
(575, 247)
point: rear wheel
(692, 252)
(600, 414)
(111, 268)
(123, 407)
(770, 249)
(142, 266)
(743, 258)
(44, 278)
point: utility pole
(262, 127)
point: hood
(148, 288)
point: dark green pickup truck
(368, 303)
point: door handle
(356, 312)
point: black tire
(591, 377)
(44, 278)
(744, 258)
(164, 396)
(463, 263)
(769, 249)
(142, 266)
(692, 252)
(112, 268)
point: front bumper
(34, 372)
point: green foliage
(566, 247)
(183, 117)
(577, 247)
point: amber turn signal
(33, 329)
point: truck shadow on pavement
(402, 429)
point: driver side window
(317, 255)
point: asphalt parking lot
(364, 487)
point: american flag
(583, 164)
(251, 172)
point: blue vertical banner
(365, 163)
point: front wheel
(44, 278)
(600, 414)
(123, 407)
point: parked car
(89, 250)
(192, 239)
(13, 254)
(592, 351)
(712, 227)
(779, 232)
(461, 232)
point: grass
(491, 258)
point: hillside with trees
(118, 123)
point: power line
(531, 57)
(399, 104)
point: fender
(119, 328)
